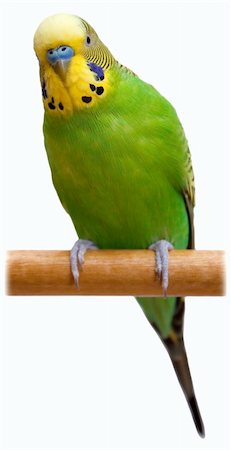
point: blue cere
(52, 56)
(63, 52)
(97, 70)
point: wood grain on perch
(115, 272)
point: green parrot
(120, 164)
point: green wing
(163, 314)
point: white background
(89, 373)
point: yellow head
(73, 62)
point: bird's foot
(161, 249)
(77, 256)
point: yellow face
(73, 62)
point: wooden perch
(115, 272)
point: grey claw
(161, 249)
(81, 257)
(75, 273)
(77, 257)
(74, 264)
(158, 265)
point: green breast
(119, 169)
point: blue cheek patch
(97, 70)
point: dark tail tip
(196, 416)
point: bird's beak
(60, 67)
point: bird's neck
(85, 86)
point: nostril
(63, 49)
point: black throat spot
(86, 99)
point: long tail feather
(174, 344)
(179, 360)
(171, 336)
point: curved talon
(161, 249)
(77, 257)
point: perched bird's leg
(77, 256)
(162, 248)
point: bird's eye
(88, 40)
(65, 52)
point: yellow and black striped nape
(96, 52)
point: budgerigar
(120, 164)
